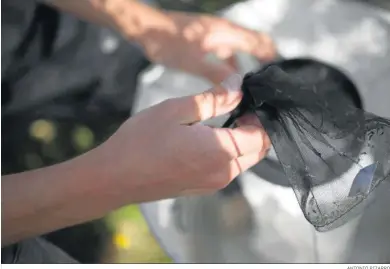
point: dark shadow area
(62, 96)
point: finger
(217, 101)
(258, 44)
(215, 72)
(242, 140)
(252, 42)
(243, 163)
(263, 47)
(249, 119)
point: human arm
(40, 201)
(175, 39)
(159, 153)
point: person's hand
(186, 39)
(177, 39)
(164, 151)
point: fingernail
(232, 83)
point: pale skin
(160, 152)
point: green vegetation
(132, 240)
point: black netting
(333, 152)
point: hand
(165, 152)
(186, 39)
(176, 39)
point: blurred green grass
(132, 240)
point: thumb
(217, 101)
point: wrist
(100, 179)
(123, 178)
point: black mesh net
(333, 152)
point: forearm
(43, 200)
(131, 18)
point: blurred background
(94, 78)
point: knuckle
(206, 102)
(205, 97)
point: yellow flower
(121, 241)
